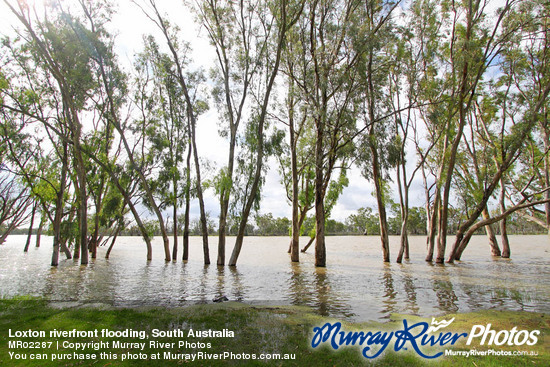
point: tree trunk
(187, 205)
(295, 242)
(301, 220)
(404, 248)
(308, 244)
(82, 204)
(175, 225)
(204, 224)
(503, 229)
(382, 219)
(65, 249)
(29, 233)
(404, 204)
(493, 243)
(225, 195)
(546, 172)
(77, 247)
(40, 229)
(432, 227)
(119, 228)
(5, 235)
(320, 250)
(59, 208)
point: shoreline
(284, 330)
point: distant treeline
(365, 222)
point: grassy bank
(282, 330)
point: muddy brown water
(355, 285)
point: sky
(129, 24)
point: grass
(258, 329)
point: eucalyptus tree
(425, 22)
(168, 131)
(59, 52)
(245, 35)
(377, 151)
(15, 200)
(471, 46)
(270, 22)
(92, 31)
(519, 20)
(40, 172)
(30, 100)
(322, 69)
(525, 66)
(297, 167)
(64, 65)
(188, 82)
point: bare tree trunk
(29, 233)
(376, 174)
(204, 224)
(187, 205)
(40, 229)
(222, 230)
(77, 247)
(404, 239)
(404, 204)
(471, 230)
(65, 249)
(432, 224)
(493, 243)
(119, 228)
(382, 219)
(503, 229)
(308, 244)
(175, 230)
(59, 208)
(10, 228)
(547, 172)
(301, 220)
(224, 197)
(295, 242)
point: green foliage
(270, 226)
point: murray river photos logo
(418, 337)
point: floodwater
(355, 285)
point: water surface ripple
(356, 284)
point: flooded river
(356, 284)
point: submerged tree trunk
(493, 243)
(404, 205)
(382, 218)
(503, 229)
(404, 238)
(175, 234)
(204, 224)
(187, 206)
(295, 241)
(310, 242)
(117, 231)
(225, 196)
(175, 220)
(40, 229)
(29, 233)
(59, 207)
